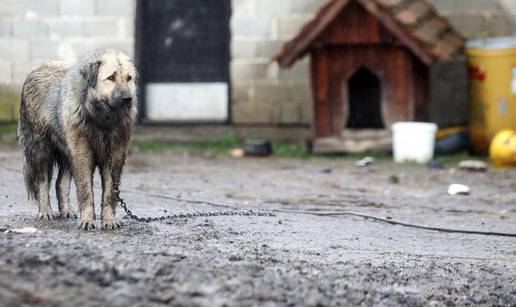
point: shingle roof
(416, 23)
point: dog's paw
(46, 216)
(67, 214)
(110, 224)
(87, 225)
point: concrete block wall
(35, 31)
(264, 94)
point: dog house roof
(415, 23)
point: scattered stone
(458, 189)
(365, 161)
(324, 170)
(25, 230)
(237, 152)
(394, 179)
(473, 165)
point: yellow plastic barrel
(492, 67)
(503, 148)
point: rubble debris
(473, 165)
(458, 189)
(365, 161)
(25, 230)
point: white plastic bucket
(413, 141)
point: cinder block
(301, 90)
(290, 114)
(243, 7)
(267, 91)
(469, 25)
(82, 46)
(477, 5)
(298, 72)
(252, 69)
(122, 8)
(306, 6)
(268, 48)
(6, 28)
(5, 72)
(43, 7)
(65, 28)
(501, 24)
(289, 26)
(251, 26)
(43, 50)
(240, 92)
(30, 29)
(101, 27)
(243, 47)
(273, 7)
(20, 70)
(252, 113)
(77, 8)
(13, 49)
(306, 112)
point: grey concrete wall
(35, 31)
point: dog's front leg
(82, 168)
(108, 218)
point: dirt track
(289, 259)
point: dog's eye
(111, 78)
(129, 78)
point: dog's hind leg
(63, 191)
(43, 197)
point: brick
(77, 8)
(12, 49)
(251, 26)
(290, 25)
(5, 72)
(101, 27)
(82, 46)
(30, 29)
(123, 8)
(65, 28)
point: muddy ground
(286, 260)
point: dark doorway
(364, 100)
(183, 52)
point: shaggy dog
(78, 116)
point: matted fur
(78, 116)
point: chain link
(118, 200)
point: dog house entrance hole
(364, 100)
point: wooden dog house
(370, 63)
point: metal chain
(118, 200)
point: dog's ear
(90, 72)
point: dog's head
(111, 81)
